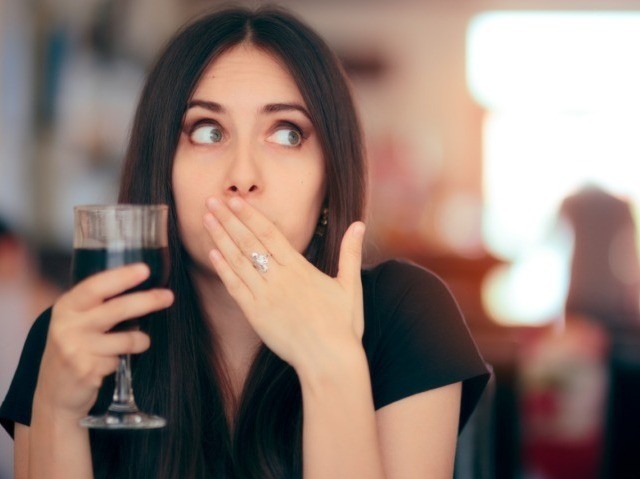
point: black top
(415, 339)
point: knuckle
(90, 288)
(69, 353)
(97, 372)
(55, 333)
(97, 380)
(238, 257)
(246, 244)
(84, 371)
(59, 305)
(268, 232)
(234, 284)
(59, 312)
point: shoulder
(399, 268)
(38, 333)
(410, 309)
(397, 276)
(415, 337)
(16, 406)
(35, 342)
(400, 286)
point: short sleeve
(16, 406)
(418, 339)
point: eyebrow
(269, 108)
(277, 107)
(207, 105)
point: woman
(275, 356)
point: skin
(78, 354)
(246, 152)
(230, 147)
(244, 181)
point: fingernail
(235, 204)
(213, 203)
(360, 228)
(167, 295)
(142, 269)
(210, 220)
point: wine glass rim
(121, 207)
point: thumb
(350, 260)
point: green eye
(287, 137)
(206, 134)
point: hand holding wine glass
(84, 344)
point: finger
(104, 367)
(95, 289)
(237, 230)
(234, 257)
(350, 261)
(235, 286)
(268, 234)
(114, 344)
(130, 306)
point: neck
(237, 338)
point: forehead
(247, 72)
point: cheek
(180, 194)
(189, 205)
(304, 229)
(299, 222)
(298, 230)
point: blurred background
(504, 152)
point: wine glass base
(123, 420)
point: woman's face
(246, 132)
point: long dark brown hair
(181, 377)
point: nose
(243, 175)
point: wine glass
(110, 236)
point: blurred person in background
(568, 376)
(274, 354)
(605, 272)
(24, 293)
(605, 289)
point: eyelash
(292, 126)
(283, 123)
(197, 124)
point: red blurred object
(563, 390)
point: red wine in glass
(87, 262)
(111, 236)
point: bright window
(562, 110)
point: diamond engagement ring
(260, 262)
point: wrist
(53, 417)
(58, 446)
(338, 365)
(44, 409)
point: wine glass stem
(123, 400)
